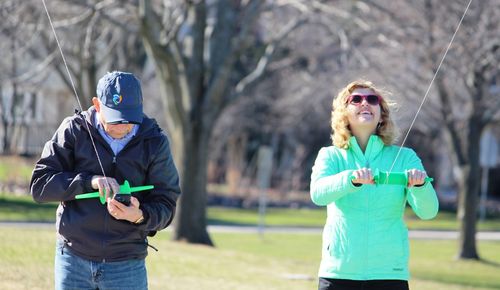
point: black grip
(123, 198)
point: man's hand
(362, 176)
(122, 212)
(107, 186)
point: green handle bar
(124, 189)
(397, 178)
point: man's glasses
(356, 100)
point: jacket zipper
(97, 136)
(106, 217)
(367, 213)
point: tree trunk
(6, 135)
(89, 85)
(297, 169)
(196, 88)
(467, 217)
(236, 148)
(469, 186)
(3, 108)
(190, 220)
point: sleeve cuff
(145, 214)
(419, 188)
(88, 183)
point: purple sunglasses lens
(370, 99)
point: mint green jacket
(365, 236)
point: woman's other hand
(416, 177)
(362, 176)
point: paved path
(414, 234)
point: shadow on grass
(25, 204)
(490, 263)
(219, 222)
(25, 209)
(457, 280)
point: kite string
(430, 85)
(73, 86)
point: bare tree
(466, 97)
(292, 103)
(18, 31)
(197, 48)
(94, 36)
(473, 75)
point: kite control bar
(395, 178)
(123, 196)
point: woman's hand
(362, 176)
(416, 177)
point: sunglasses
(356, 100)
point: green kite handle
(124, 189)
(397, 178)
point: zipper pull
(114, 159)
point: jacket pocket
(347, 247)
(338, 245)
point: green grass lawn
(244, 261)
(274, 261)
(23, 208)
(240, 260)
(16, 169)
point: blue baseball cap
(121, 98)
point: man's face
(116, 131)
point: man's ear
(97, 105)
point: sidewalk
(451, 235)
(413, 234)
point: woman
(365, 239)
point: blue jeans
(73, 272)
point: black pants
(341, 284)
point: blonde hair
(341, 132)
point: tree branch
(218, 86)
(267, 56)
(169, 63)
(195, 68)
(450, 123)
(92, 8)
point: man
(104, 246)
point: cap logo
(117, 99)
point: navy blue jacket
(65, 169)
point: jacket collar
(148, 128)
(373, 148)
